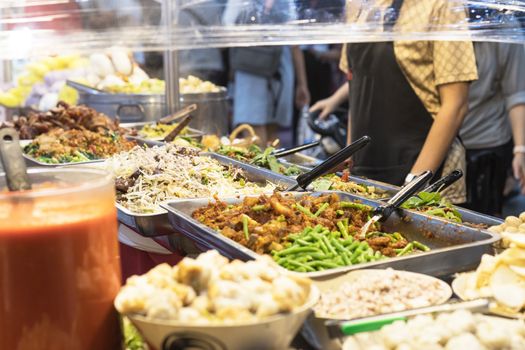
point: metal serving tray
(157, 224)
(300, 159)
(193, 133)
(468, 216)
(32, 162)
(455, 248)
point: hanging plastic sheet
(41, 27)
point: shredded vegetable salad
(146, 177)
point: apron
(384, 106)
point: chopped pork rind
(373, 294)
(210, 289)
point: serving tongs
(289, 151)
(178, 129)
(382, 212)
(339, 329)
(85, 88)
(178, 115)
(325, 167)
(445, 182)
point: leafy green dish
(255, 156)
(431, 203)
(334, 182)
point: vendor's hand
(518, 167)
(302, 96)
(326, 106)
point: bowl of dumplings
(212, 303)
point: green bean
(328, 245)
(348, 241)
(358, 252)
(398, 236)
(323, 247)
(295, 250)
(318, 229)
(408, 248)
(338, 246)
(320, 256)
(299, 265)
(245, 227)
(302, 242)
(353, 205)
(323, 264)
(321, 209)
(302, 259)
(339, 212)
(260, 207)
(338, 260)
(420, 246)
(342, 229)
(346, 259)
(304, 210)
(378, 255)
(354, 245)
(355, 255)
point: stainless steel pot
(212, 115)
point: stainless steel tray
(454, 247)
(468, 216)
(32, 162)
(157, 224)
(193, 133)
(300, 159)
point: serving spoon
(13, 161)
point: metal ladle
(13, 161)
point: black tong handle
(296, 149)
(305, 179)
(444, 182)
(405, 193)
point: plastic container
(59, 262)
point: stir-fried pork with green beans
(324, 228)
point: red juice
(59, 271)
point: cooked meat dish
(66, 146)
(64, 117)
(264, 223)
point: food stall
(244, 250)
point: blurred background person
(409, 96)
(206, 64)
(494, 129)
(263, 100)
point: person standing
(263, 101)
(409, 96)
(495, 99)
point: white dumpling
(394, 334)
(463, 342)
